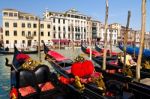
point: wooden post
(72, 37)
(134, 43)
(126, 37)
(90, 40)
(105, 39)
(59, 45)
(142, 39)
(111, 42)
(39, 41)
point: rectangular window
(14, 24)
(42, 41)
(53, 20)
(76, 29)
(34, 25)
(54, 28)
(64, 29)
(29, 33)
(6, 24)
(23, 25)
(42, 33)
(7, 33)
(23, 41)
(15, 33)
(58, 20)
(42, 25)
(7, 41)
(23, 33)
(15, 41)
(69, 28)
(48, 33)
(54, 35)
(59, 28)
(15, 14)
(34, 33)
(29, 25)
(10, 14)
(48, 26)
(5, 13)
(63, 21)
(84, 30)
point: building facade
(116, 26)
(22, 29)
(111, 35)
(69, 26)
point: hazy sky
(118, 9)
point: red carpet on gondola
(56, 55)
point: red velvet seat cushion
(46, 86)
(24, 91)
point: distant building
(68, 26)
(22, 29)
(96, 29)
(111, 34)
(116, 26)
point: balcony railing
(29, 37)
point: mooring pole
(143, 24)
(105, 39)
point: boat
(98, 58)
(98, 48)
(7, 52)
(68, 69)
(113, 63)
(98, 54)
(31, 80)
(135, 50)
(138, 89)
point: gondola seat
(27, 86)
(45, 83)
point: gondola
(140, 90)
(135, 50)
(31, 80)
(98, 48)
(115, 64)
(11, 52)
(98, 58)
(66, 68)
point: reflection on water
(5, 71)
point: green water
(5, 71)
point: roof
(7, 9)
(20, 12)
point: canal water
(5, 71)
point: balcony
(30, 37)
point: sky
(118, 9)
